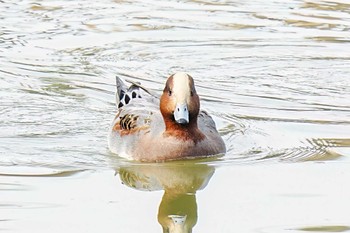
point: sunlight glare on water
(273, 74)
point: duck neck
(184, 132)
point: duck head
(179, 103)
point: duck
(149, 128)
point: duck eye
(191, 93)
(170, 92)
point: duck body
(150, 129)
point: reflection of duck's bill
(177, 212)
(179, 223)
(178, 219)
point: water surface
(274, 75)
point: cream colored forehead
(181, 84)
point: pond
(273, 74)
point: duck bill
(181, 114)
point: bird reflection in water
(180, 182)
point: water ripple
(274, 75)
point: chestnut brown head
(179, 102)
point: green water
(273, 74)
